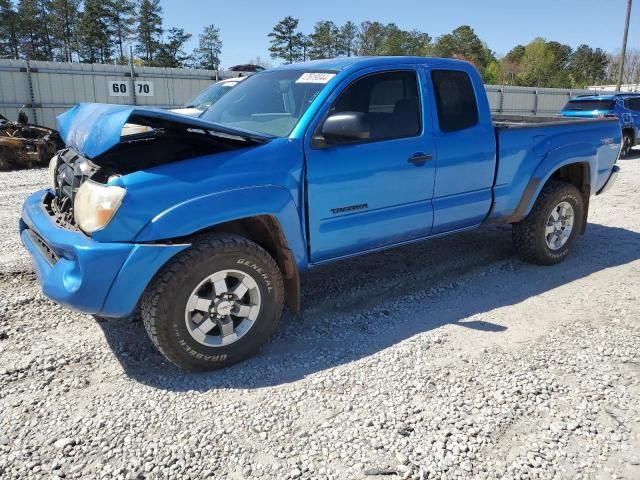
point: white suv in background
(208, 97)
(195, 107)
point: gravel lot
(447, 359)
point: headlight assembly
(53, 172)
(96, 204)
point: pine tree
(44, 9)
(286, 41)
(122, 22)
(587, 66)
(347, 39)
(172, 52)
(9, 30)
(33, 42)
(149, 29)
(207, 54)
(65, 15)
(94, 34)
(324, 40)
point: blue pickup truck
(205, 224)
(623, 106)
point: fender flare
(552, 162)
(207, 211)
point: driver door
(367, 194)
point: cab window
(389, 100)
(455, 100)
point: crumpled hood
(92, 129)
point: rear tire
(627, 144)
(214, 304)
(548, 233)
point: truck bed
(531, 147)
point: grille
(72, 171)
(67, 180)
(48, 254)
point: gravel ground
(447, 359)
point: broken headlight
(95, 205)
(53, 172)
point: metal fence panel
(59, 86)
(544, 102)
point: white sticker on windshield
(315, 77)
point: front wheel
(548, 233)
(214, 304)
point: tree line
(99, 31)
(540, 63)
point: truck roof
(342, 63)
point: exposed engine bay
(162, 142)
(25, 145)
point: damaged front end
(26, 146)
(100, 148)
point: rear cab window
(455, 100)
(589, 105)
(634, 104)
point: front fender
(209, 210)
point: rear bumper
(615, 171)
(85, 275)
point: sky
(502, 24)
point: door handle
(420, 159)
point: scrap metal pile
(26, 146)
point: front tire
(214, 304)
(548, 233)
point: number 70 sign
(122, 88)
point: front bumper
(78, 272)
(615, 171)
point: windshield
(269, 102)
(210, 95)
(589, 105)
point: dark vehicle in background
(246, 68)
(624, 106)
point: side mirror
(346, 127)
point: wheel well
(265, 230)
(576, 174)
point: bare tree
(630, 73)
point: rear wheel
(627, 144)
(548, 233)
(214, 304)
